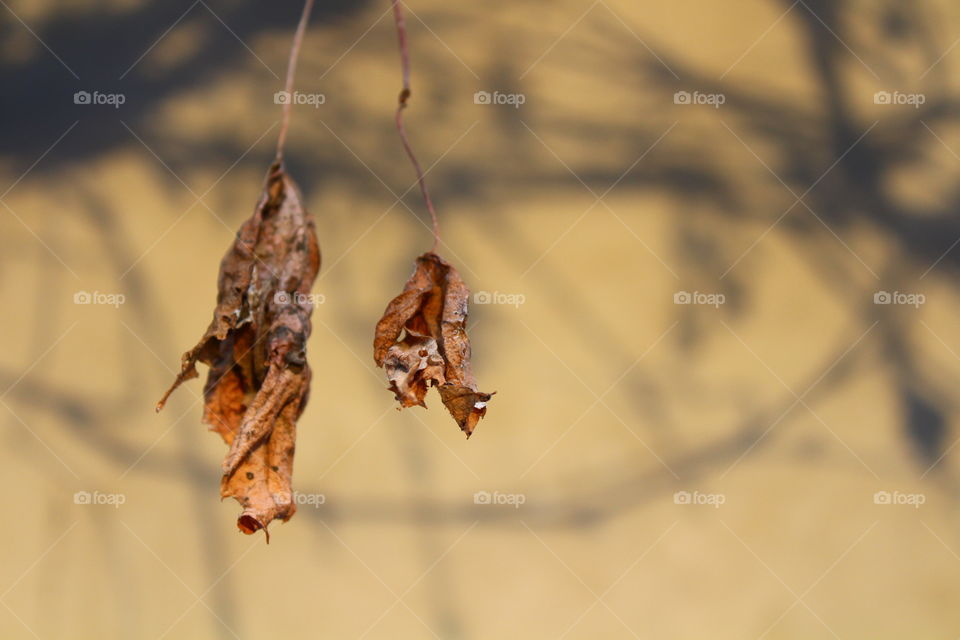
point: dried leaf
(421, 341)
(255, 346)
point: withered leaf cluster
(421, 341)
(255, 346)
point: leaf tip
(249, 525)
(163, 401)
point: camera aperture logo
(899, 498)
(285, 297)
(512, 99)
(710, 99)
(697, 297)
(496, 297)
(899, 297)
(110, 299)
(97, 98)
(695, 497)
(898, 98)
(298, 97)
(98, 498)
(498, 498)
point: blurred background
(713, 248)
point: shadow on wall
(103, 50)
(822, 142)
(809, 139)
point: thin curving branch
(291, 69)
(401, 105)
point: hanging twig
(402, 103)
(291, 68)
(255, 346)
(421, 340)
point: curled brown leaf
(421, 341)
(259, 380)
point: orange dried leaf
(255, 347)
(421, 341)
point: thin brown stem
(401, 105)
(291, 69)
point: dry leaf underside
(421, 341)
(259, 380)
